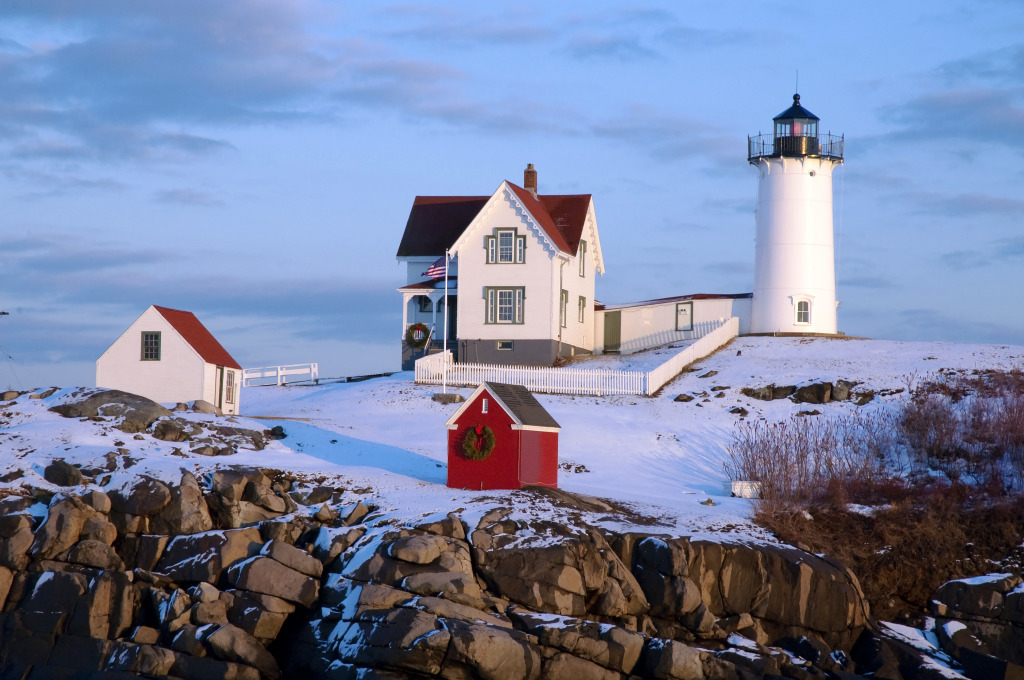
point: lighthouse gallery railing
(770, 146)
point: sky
(255, 161)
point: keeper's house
(168, 356)
(502, 438)
(521, 286)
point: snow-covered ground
(385, 437)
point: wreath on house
(478, 442)
(417, 335)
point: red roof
(196, 335)
(436, 222)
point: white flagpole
(444, 353)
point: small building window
(483, 405)
(229, 387)
(426, 304)
(582, 308)
(803, 312)
(504, 345)
(582, 257)
(151, 345)
(562, 308)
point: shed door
(218, 387)
(612, 330)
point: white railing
(705, 345)
(576, 381)
(279, 374)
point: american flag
(436, 270)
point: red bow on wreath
(478, 444)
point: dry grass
(943, 472)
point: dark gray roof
(523, 404)
(796, 111)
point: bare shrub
(803, 460)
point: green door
(612, 331)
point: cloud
(116, 80)
(451, 29)
(49, 185)
(42, 262)
(1004, 66)
(962, 205)
(1000, 251)
(667, 137)
(622, 48)
(188, 197)
(869, 282)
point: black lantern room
(796, 131)
(795, 134)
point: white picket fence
(575, 381)
(279, 374)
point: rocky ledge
(240, 573)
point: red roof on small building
(436, 222)
(196, 335)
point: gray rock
(261, 616)
(454, 586)
(671, 660)
(6, 579)
(564, 666)
(490, 652)
(611, 647)
(97, 500)
(185, 513)
(263, 575)
(400, 638)
(203, 406)
(231, 643)
(204, 556)
(65, 519)
(293, 558)
(419, 549)
(169, 431)
(816, 393)
(331, 542)
(92, 553)
(137, 413)
(142, 496)
(62, 473)
(975, 597)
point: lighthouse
(794, 253)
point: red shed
(502, 438)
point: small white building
(168, 356)
(636, 326)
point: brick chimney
(530, 179)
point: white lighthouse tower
(794, 260)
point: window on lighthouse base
(803, 312)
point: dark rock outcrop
(291, 595)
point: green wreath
(417, 335)
(478, 442)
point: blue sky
(254, 161)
